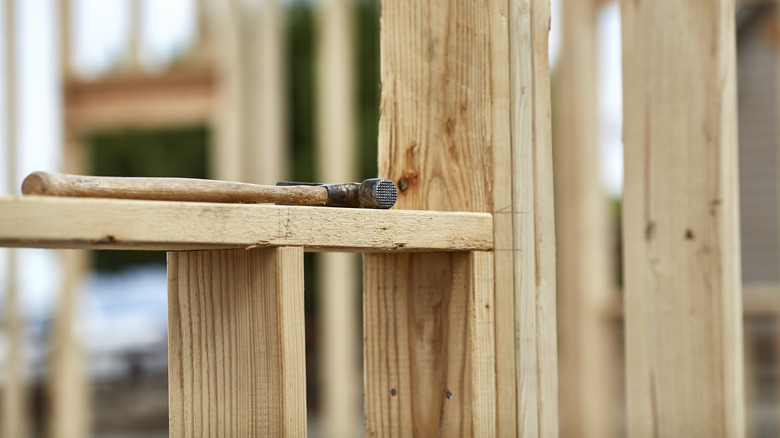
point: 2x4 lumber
(50, 222)
(588, 388)
(265, 121)
(533, 223)
(172, 98)
(445, 119)
(429, 337)
(465, 126)
(227, 150)
(68, 386)
(15, 403)
(680, 220)
(340, 371)
(237, 361)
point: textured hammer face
(378, 193)
(386, 193)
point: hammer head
(377, 193)
(371, 193)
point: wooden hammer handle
(170, 189)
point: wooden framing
(14, 418)
(139, 101)
(46, 222)
(429, 333)
(236, 343)
(681, 224)
(588, 386)
(339, 315)
(465, 126)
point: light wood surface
(429, 345)
(504, 212)
(230, 99)
(445, 91)
(680, 220)
(340, 315)
(68, 386)
(237, 362)
(533, 213)
(266, 154)
(54, 222)
(15, 419)
(174, 98)
(588, 381)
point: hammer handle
(170, 189)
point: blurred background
(268, 90)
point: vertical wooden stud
(236, 343)
(341, 378)
(134, 46)
(265, 120)
(227, 151)
(533, 213)
(429, 335)
(465, 126)
(68, 386)
(588, 383)
(681, 222)
(15, 421)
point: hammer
(371, 193)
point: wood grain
(589, 386)
(532, 214)
(429, 333)
(236, 343)
(53, 222)
(680, 220)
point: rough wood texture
(533, 213)
(589, 387)
(465, 126)
(54, 222)
(429, 345)
(340, 335)
(236, 343)
(681, 223)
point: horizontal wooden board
(55, 222)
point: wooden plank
(341, 373)
(446, 137)
(49, 222)
(64, 14)
(265, 119)
(69, 415)
(236, 343)
(680, 220)
(503, 224)
(133, 54)
(588, 385)
(14, 417)
(429, 337)
(533, 213)
(173, 98)
(444, 121)
(229, 137)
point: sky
(100, 34)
